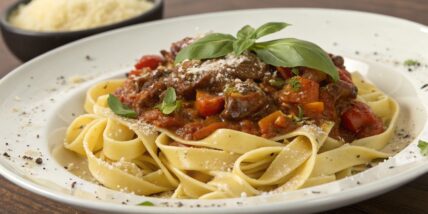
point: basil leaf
(245, 32)
(240, 45)
(211, 46)
(118, 108)
(423, 146)
(292, 52)
(146, 203)
(170, 102)
(170, 96)
(269, 28)
(169, 108)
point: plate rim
(372, 189)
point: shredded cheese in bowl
(71, 15)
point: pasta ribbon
(123, 155)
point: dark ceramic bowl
(26, 44)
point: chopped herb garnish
(277, 82)
(295, 71)
(411, 62)
(294, 84)
(118, 108)
(230, 89)
(423, 146)
(170, 102)
(300, 115)
(146, 203)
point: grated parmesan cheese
(228, 62)
(69, 15)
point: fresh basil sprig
(423, 146)
(169, 103)
(118, 108)
(287, 52)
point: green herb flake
(294, 84)
(411, 62)
(295, 71)
(277, 82)
(146, 203)
(423, 146)
(300, 115)
(119, 109)
(170, 102)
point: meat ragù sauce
(244, 94)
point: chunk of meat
(302, 91)
(238, 106)
(344, 75)
(250, 68)
(314, 75)
(177, 46)
(148, 97)
(158, 119)
(207, 104)
(338, 61)
(341, 90)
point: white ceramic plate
(38, 102)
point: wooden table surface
(411, 198)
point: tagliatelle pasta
(223, 117)
(130, 155)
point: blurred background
(412, 198)
(415, 10)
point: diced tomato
(207, 104)
(374, 129)
(207, 130)
(305, 91)
(149, 61)
(359, 117)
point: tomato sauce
(244, 94)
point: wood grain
(411, 198)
